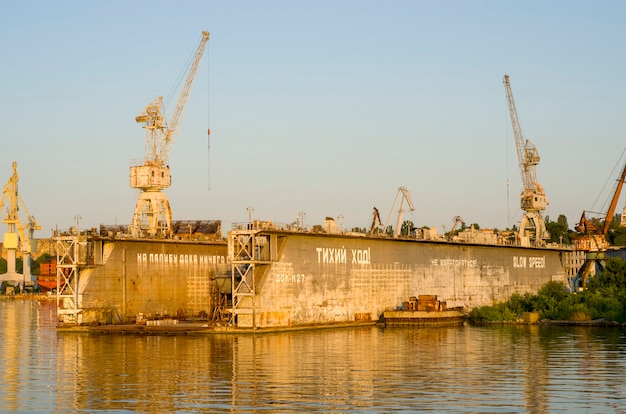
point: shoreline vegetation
(602, 302)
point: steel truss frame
(68, 304)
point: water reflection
(27, 338)
(476, 369)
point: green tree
(407, 226)
(549, 298)
(559, 230)
(43, 258)
(19, 265)
(617, 237)
(613, 276)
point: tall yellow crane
(153, 215)
(533, 201)
(15, 237)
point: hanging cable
(208, 71)
(506, 143)
(603, 190)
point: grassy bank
(603, 298)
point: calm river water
(452, 369)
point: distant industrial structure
(20, 235)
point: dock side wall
(155, 278)
(322, 279)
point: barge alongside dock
(424, 310)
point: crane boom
(161, 134)
(517, 129)
(179, 109)
(611, 212)
(527, 154)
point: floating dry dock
(272, 276)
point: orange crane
(592, 239)
(533, 201)
(153, 215)
(457, 220)
(375, 219)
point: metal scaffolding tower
(251, 252)
(71, 254)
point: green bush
(497, 313)
(520, 304)
(603, 298)
(579, 312)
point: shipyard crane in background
(532, 229)
(406, 197)
(457, 220)
(153, 215)
(16, 237)
(593, 240)
(375, 219)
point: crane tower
(533, 201)
(153, 215)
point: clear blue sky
(325, 107)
